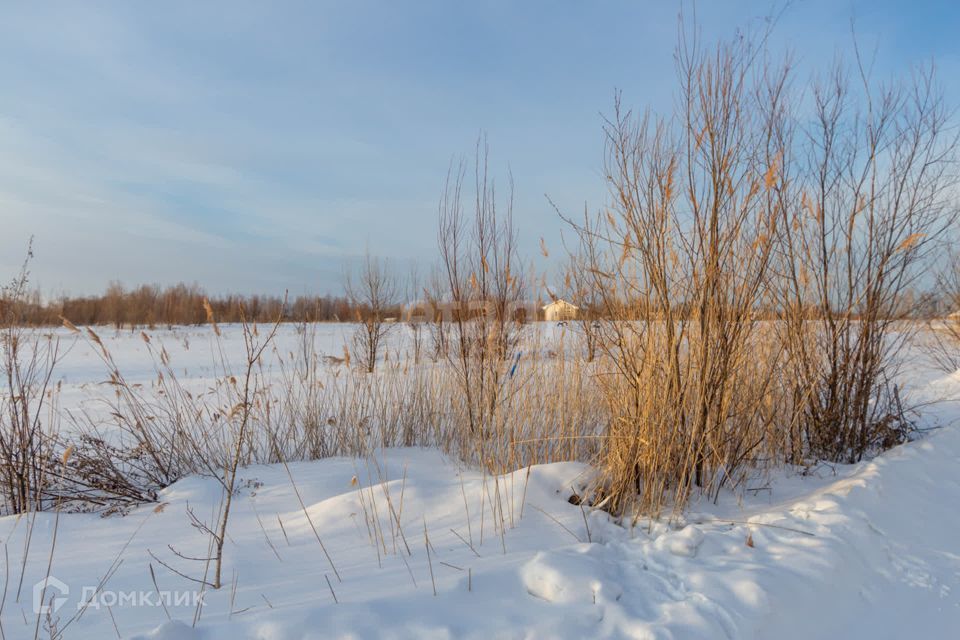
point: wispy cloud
(255, 146)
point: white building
(559, 310)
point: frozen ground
(864, 551)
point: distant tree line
(182, 304)
(153, 305)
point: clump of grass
(748, 271)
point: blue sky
(255, 147)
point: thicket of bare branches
(29, 416)
(679, 262)
(483, 285)
(868, 201)
(375, 293)
(753, 266)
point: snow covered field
(425, 548)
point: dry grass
(29, 415)
(750, 271)
(305, 407)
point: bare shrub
(753, 269)
(868, 201)
(239, 417)
(679, 263)
(374, 293)
(483, 284)
(437, 325)
(579, 288)
(29, 415)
